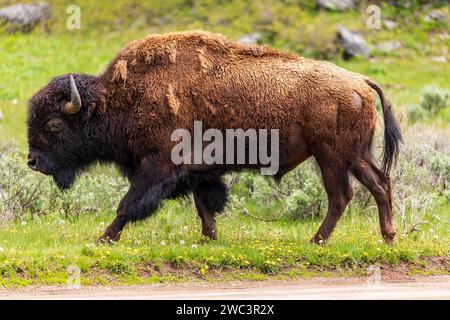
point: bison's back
(182, 77)
(274, 93)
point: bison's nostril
(32, 163)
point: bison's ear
(97, 105)
(74, 106)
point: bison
(158, 84)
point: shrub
(23, 191)
(299, 195)
(423, 170)
(416, 113)
(440, 164)
(92, 192)
(434, 99)
(19, 193)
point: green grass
(40, 251)
(168, 247)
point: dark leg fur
(210, 196)
(148, 188)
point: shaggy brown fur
(164, 82)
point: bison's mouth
(41, 162)
(36, 166)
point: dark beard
(64, 178)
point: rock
(352, 43)
(1, 115)
(435, 15)
(251, 38)
(388, 46)
(390, 24)
(336, 5)
(24, 17)
(439, 59)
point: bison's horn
(74, 106)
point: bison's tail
(392, 132)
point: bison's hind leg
(379, 186)
(339, 192)
(210, 196)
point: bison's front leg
(148, 188)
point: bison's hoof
(389, 238)
(317, 239)
(104, 240)
(208, 238)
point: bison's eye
(55, 125)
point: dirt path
(434, 287)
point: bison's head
(62, 133)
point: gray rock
(390, 24)
(25, 17)
(352, 43)
(435, 15)
(388, 46)
(251, 38)
(339, 5)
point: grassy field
(40, 242)
(168, 247)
